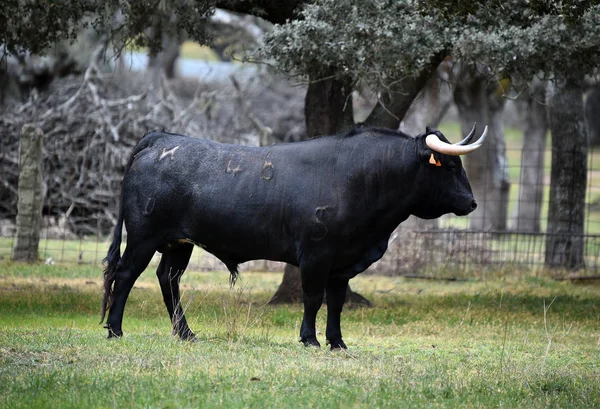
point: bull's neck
(399, 188)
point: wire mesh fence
(78, 235)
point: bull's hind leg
(135, 259)
(336, 295)
(173, 263)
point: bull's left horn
(435, 144)
(469, 136)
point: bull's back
(225, 197)
(249, 202)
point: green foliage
(524, 42)
(382, 41)
(379, 41)
(37, 25)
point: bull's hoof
(188, 336)
(113, 333)
(337, 345)
(310, 342)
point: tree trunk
(328, 107)
(487, 166)
(10, 71)
(163, 62)
(564, 240)
(528, 210)
(592, 115)
(394, 104)
(290, 290)
(328, 110)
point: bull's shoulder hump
(159, 136)
(373, 131)
(167, 140)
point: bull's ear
(434, 161)
(423, 151)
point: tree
(480, 100)
(36, 26)
(564, 238)
(511, 39)
(393, 47)
(528, 211)
(592, 107)
(162, 62)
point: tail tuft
(234, 273)
(110, 270)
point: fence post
(30, 194)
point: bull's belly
(241, 246)
(238, 242)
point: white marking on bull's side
(235, 170)
(321, 209)
(166, 152)
(268, 171)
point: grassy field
(499, 343)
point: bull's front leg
(336, 295)
(313, 290)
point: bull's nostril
(473, 205)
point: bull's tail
(114, 252)
(110, 264)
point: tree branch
(393, 104)
(275, 11)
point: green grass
(424, 344)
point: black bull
(327, 205)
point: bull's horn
(469, 136)
(435, 144)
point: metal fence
(448, 244)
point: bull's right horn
(435, 144)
